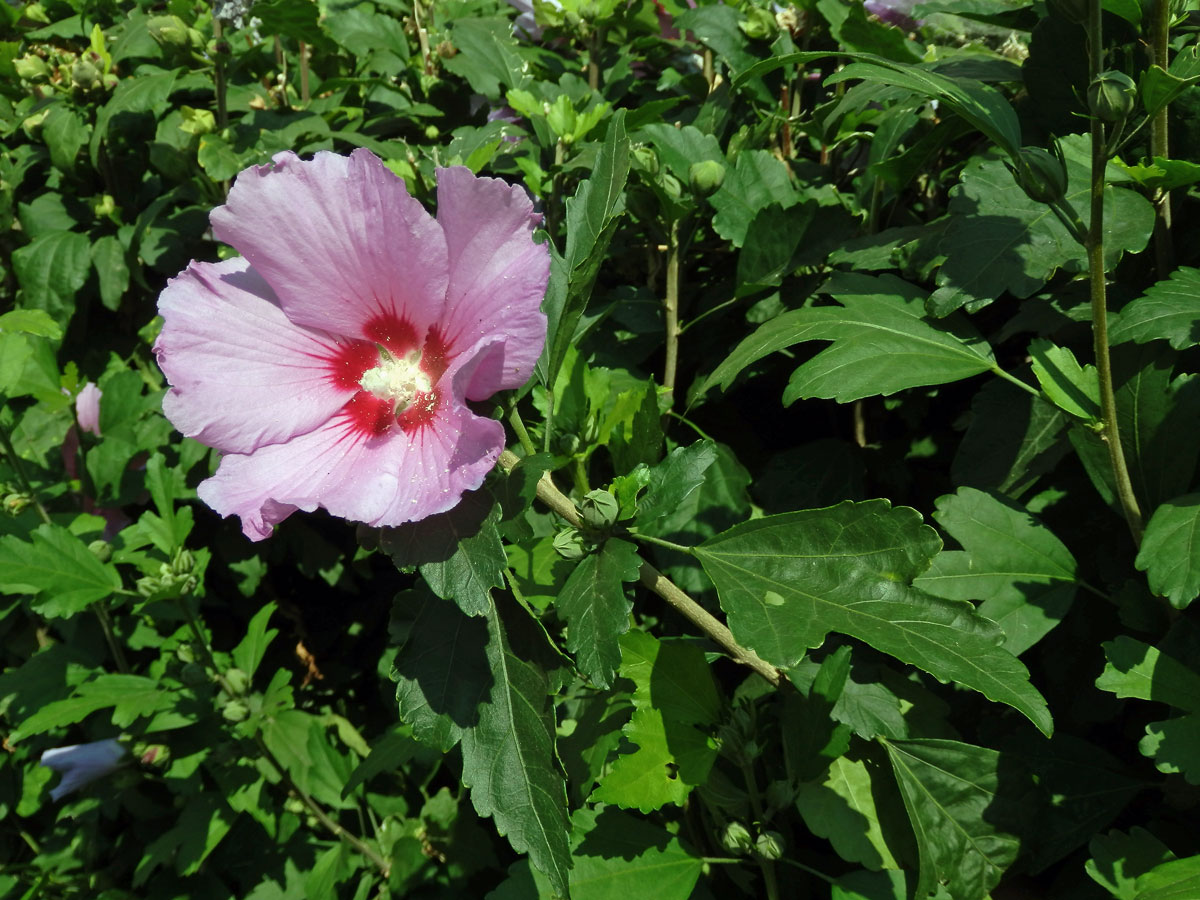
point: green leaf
(509, 761)
(594, 603)
(442, 670)
(842, 809)
(58, 568)
(756, 181)
(51, 269)
(962, 821)
(64, 133)
(886, 885)
(592, 217)
(674, 479)
(290, 18)
(1161, 173)
(680, 148)
(1159, 87)
(129, 696)
(488, 55)
(1138, 670)
(458, 552)
(675, 703)
(108, 258)
(1174, 745)
(1118, 859)
(1013, 438)
(785, 581)
(1178, 879)
(146, 92)
(1000, 240)
(1024, 575)
(253, 647)
(1168, 310)
(30, 321)
(617, 856)
(1170, 551)
(882, 343)
(1073, 388)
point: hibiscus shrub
(599, 448)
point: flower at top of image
(81, 764)
(333, 361)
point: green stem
(671, 311)
(518, 426)
(219, 73)
(996, 370)
(766, 865)
(670, 545)
(1164, 250)
(422, 38)
(110, 637)
(1096, 274)
(19, 471)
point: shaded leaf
(1170, 550)
(594, 603)
(58, 568)
(1168, 310)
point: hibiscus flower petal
(388, 479)
(340, 240)
(242, 375)
(497, 276)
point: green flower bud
(235, 711)
(1042, 174)
(706, 177)
(31, 68)
(670, 185)
(237, 680)
(102, 550)
(770, 845)
(157, 755)
(1111, 96)
(85, 76)
(170, 31)
(1072, 10)
(645, 160)
(599, 509)
(16, 503)
(432, 131)
(758, 24)
(737, 839)
(569, 544)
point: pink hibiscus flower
(332, 363)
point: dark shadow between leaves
(618, 834)
(435, 539)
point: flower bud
(237, 680)
(599, 510)
(1042, 175)
(1111, 96)
(737, 839)
(645, 160)
(102, 550)
(706, 177)
(758, 24)
(569, 544)
(235, 711)
(16, 503)
(85, 76)
(157, 755)
(770, 845)
(170, 31)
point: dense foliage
(834, 554)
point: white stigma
(398, 380)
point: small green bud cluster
(740, 841)
(174, 579)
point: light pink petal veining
(87, 408)
(397, 477)
(242, 375)
(340, 240)
(497, 276)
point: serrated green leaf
(1023, 575)
(1136, 669)
(1170, 551)
(755, 181)
(488, 55)
(1178, 879)
(129, 696)
(30, 321)
(1174, 745)
(1072, 387)
(618, 855)
(882, 343)
(785, 581)
(459, 552)
(58, 568)
(959, 812)
(1158, 87)
(673, 480)
(1119, 858)
(509, 762)
(594, 603)
(112, 271)
(253, 647)
(841, 808)
(1168, 310)
(442, 670)
(51, 269)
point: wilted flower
(87, 408)
(332, 362)
(81, 764)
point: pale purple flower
(332, 362)
(87, 408)
(81, 764)
(525, 27)
(894, 12)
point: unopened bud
(85, 76)
(31, 68)
(1042, 175)
(237, 680)
(706, 177)
(1111, 96)
(235, 711)
(157, 755)
(599, 510)
(737, 839)
(569, 544)
(769, 845)
(645, 160)
(102, 550)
